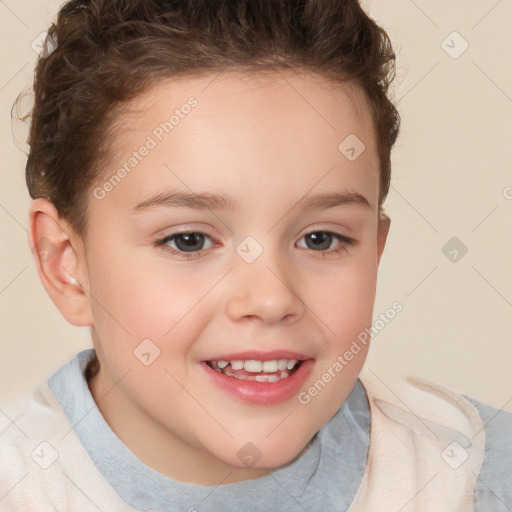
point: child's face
(268, 144)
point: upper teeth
(252, 365)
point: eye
(190, 244)
(321, 241)
(185, 243)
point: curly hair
(110, 51)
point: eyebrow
(206, 200)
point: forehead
(240, 131)
(273, 96)
(299, 102)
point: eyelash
(345, 242)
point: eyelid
(185, 231)
(192, 231)
(324, 230)
(333, 231)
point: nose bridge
(263, 286)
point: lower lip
(263, 393)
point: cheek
(145, 297)
(135, 300)
(344, 300)
(344, 308)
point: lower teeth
(272, 377)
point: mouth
(259, 378)
(255, 370)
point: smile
(252, 369)
(265, 379)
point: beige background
(451, 169)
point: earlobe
(382, 234)
(59, 262)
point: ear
(382, 234)
(60, 262)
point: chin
(262, 455)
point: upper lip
(259, 356)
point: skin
(265, 141)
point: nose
(266, 292)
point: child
(207, 183)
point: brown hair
(109, 51)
